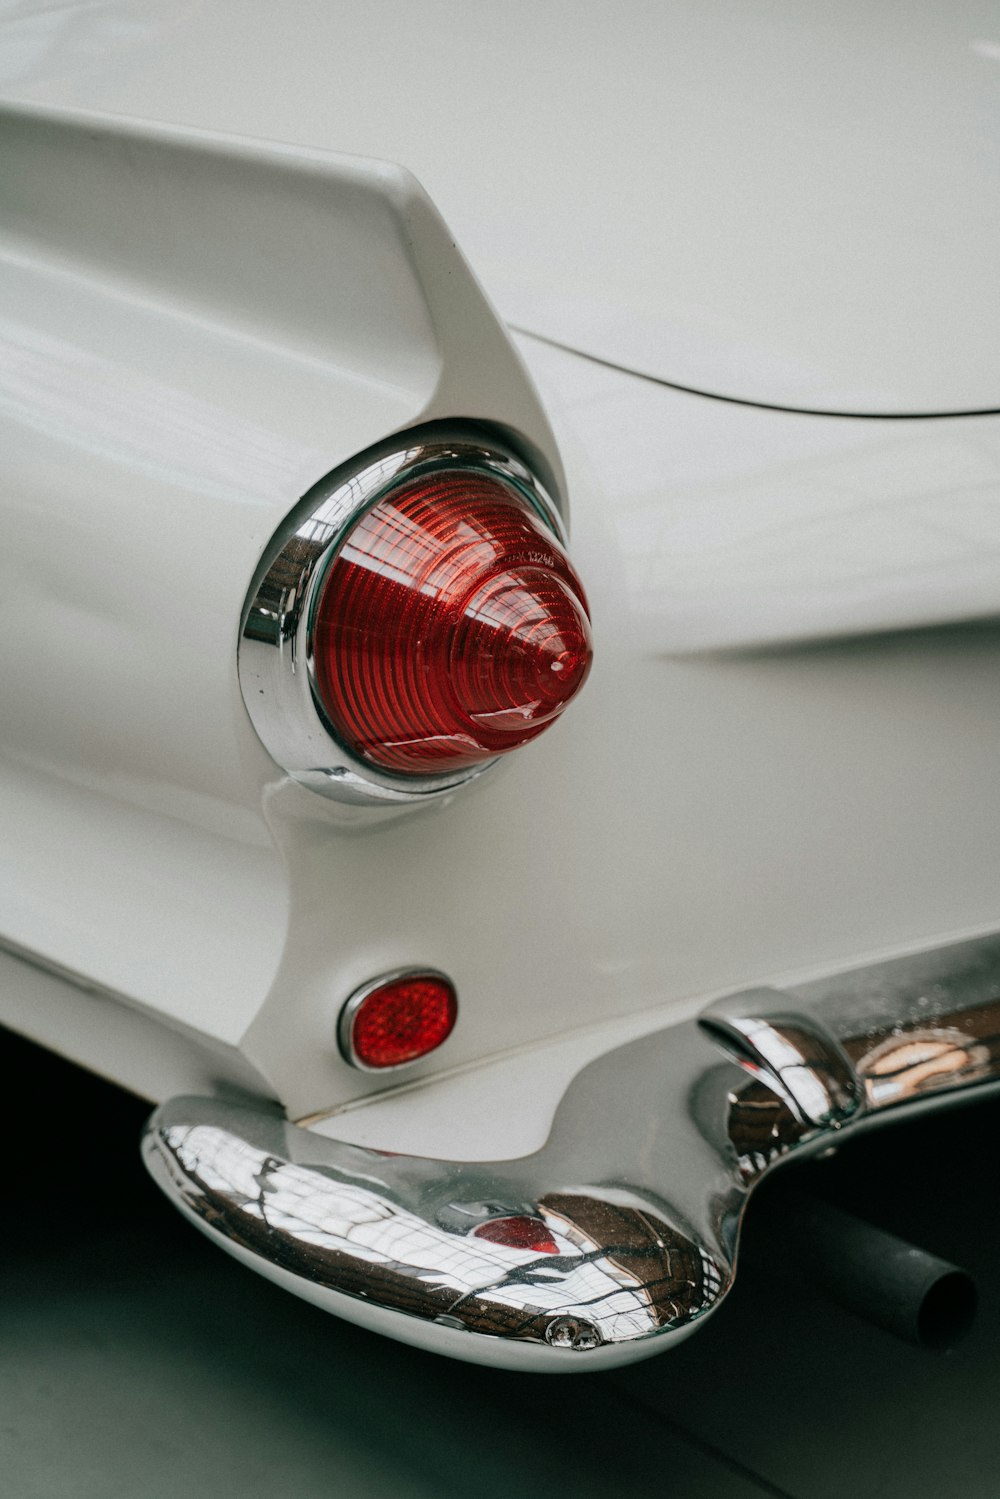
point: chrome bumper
(612, 1241)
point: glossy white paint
(700, 820)
(737, 527)
(147, 1050)
(795, 205)
(729, 802)
(164, 403)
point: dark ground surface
(138, 1362)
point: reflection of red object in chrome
(401, 1020)
(518, 1233)
(450, 627)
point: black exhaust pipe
(876, 1275)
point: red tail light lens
(398, 1020)
(450, 627)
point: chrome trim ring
(351, 1006)
(275, 658)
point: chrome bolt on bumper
(620, 1234)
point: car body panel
(782, 764)
(722, 807)
(784, 206)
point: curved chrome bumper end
(611, 1242)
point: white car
(477, 1034)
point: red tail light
(449, 628)
(416, 617)
(397, 1019)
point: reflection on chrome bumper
(615, 1238)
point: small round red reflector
(450, 626)
(518, 1233)
(398, 1020)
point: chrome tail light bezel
(275, 655)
